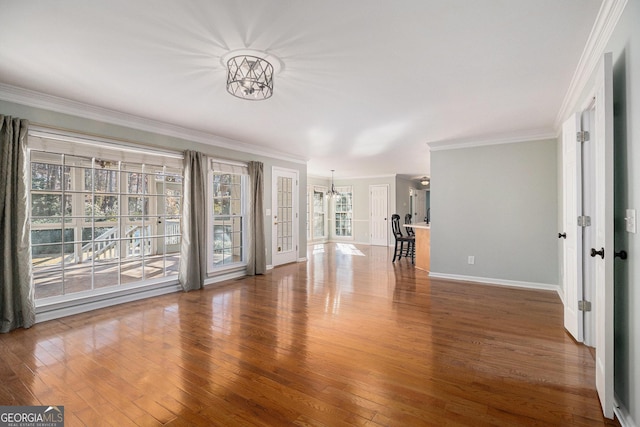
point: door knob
(622, 255)
(562, 235)
(600, 252)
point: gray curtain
(256, 257)
(193, 250)
(17, 306)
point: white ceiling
(365, 84)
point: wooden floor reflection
(347, 338)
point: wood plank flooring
(347, 338)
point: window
(319, 213)
(98, 221)
(344, 212)
(228, 182)
(316, 213)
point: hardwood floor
(347, 338)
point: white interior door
(603, 223)
(285, 216)
(378, 205)
(571, 232)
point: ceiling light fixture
(249, 77)
(424, 181)
(333, 192)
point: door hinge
(584, 305)
(582, 136)
(584, 221)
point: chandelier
(424, 181)
(249, 77)
(333, 192)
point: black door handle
(622, 255)
(600, 252)
(562, 235)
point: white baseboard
(269, 267)
(303, 259)
(623, 415)
(221, 277)
(94, 302)
(499, 282)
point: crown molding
(482, 141)
(606, 21)
(35, 99)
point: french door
(285, 216)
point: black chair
(399, 250)
(407, 220)
(411, 248)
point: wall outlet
(471, 260)
(630, 219)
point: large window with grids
(344, 212)
(316, 213)
(101, 215)
(227, 218)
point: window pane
(173, 201)
(111, 238)
(136, 182)
(45, 176)
(105, 208)
(138, 207)
(106, 181)
(47, 208)
(227, 211)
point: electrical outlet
(471, 259)
(630, 219)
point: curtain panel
(193, 249)
(256, 257)
(17, 302)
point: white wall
(497, 203)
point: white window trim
(64, 142)
(311, 213)
(217, 166)
(334, 236)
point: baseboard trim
(498, 282)
(95, 302)
(221, 277)
(622, 414)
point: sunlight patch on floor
(348, 249)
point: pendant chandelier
(332, 193)
(249, 77)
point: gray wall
(403, 200)
(361, 213)
(497, 203)
(98, 128)
(360, 188)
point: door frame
(572, 245)
(292, 255)
(386, 217)
(603, 233)
(599, 111)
